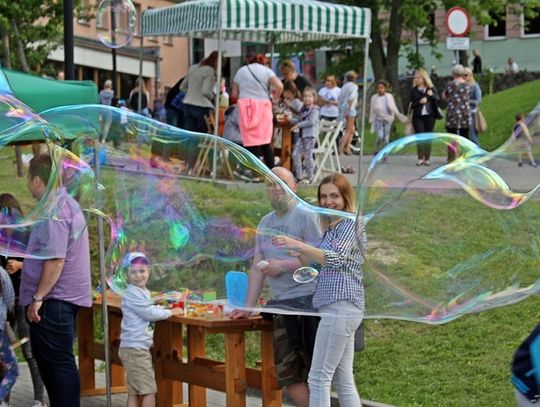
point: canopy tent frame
(262, 21)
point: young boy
(136, 335)
(521, 129)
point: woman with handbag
(198, 101)
(458, 112)
(424, 108)
(475, 97)
(255, 85)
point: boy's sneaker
(38, 403)
(533, 164)
(520, 164)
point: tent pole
(218, 93)
(363, 119)
(139, 102)
(103, 283)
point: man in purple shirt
(55, 283)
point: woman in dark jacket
(423, 101)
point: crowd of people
(258, 96)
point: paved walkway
(403, 168)
(22, 394)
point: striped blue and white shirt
(340, 279)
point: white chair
(326, 153)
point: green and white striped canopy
(262, 21)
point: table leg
(196, 348)
(286, 147)
(118, 377)
(271, 395)
(167, 346)
(235, 369)
(85, 338)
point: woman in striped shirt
(339, 296)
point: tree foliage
(30, 30)
(391, 19)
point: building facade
(165, 59)
(512, 35)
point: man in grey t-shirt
(292, 344)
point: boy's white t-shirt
(137, 313)
(251, 88)
(329, 94)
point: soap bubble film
(475, 238)
(116, 22)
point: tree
(391, 18)
(30, 30)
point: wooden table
(285, 152)
(230, 376)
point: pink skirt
(255, 121)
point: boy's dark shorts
(292, 366)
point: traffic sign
(458, 22)
(457, 43)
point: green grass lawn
(462, 363)
(499, 110)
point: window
(497, 28)
(198, 49)
(531, 21)
(138, 13)
(167, 40)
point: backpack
(526, 366)
(177, 101)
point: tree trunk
(20, 47)
(6, 59)
(376, 48)
(395, 29)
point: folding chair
(206, 146)
(326, 154)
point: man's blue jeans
(52, 346)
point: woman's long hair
(8, 202)
(211, 60)
(425, 76)
(345, 189)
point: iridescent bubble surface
(305, 274)
(116, 22)
(443, 241)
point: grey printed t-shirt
(298, 223)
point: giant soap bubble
(443, 241)
(116, 22)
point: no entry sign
(457, 22)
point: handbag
(437, 111)
(481, 124)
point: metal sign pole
(218, 93)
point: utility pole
(69, 66)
